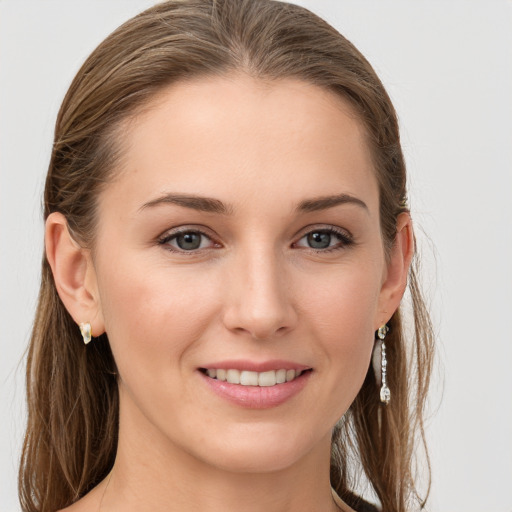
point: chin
(262, 452)
(254, 461)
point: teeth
(280, 376)
(247, 378)
(267, 378)
(233, 376)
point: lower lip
(257, 397)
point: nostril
(259, 304)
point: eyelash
(167, 237)
(345, 240)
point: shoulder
(354, 503)
(364, 506)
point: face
(241, 240)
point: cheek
(153, 316)
(346, 302)
(342, 315)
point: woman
(227, 245)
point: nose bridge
(259, 299)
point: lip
(257, 397)
(255, 366)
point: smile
(255, 384)
(250, 378)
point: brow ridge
(212, 205)
(194, 202)
(325, 202)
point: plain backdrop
(448, 68)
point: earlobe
(400, 258)
(73, 273)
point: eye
(188, 240)
(325, 239)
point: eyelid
(346, 237)
(172, 233)
(324, 227)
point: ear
(73, 273)
(397, 270)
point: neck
(152, 474)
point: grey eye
(189, 241)
(319, 239)
(325, 239)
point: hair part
(73, 402)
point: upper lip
(256, 366)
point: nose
(259, 299)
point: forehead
(236, 137)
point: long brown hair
(71, 437)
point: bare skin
(263, 269)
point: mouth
(268, 378)
(256, 384)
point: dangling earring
(85, 329)
(380, 364)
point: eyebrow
(325, 202)
(203, 204)
(212, 205)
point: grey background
(448, 67)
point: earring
(85, 329)
(379, 360)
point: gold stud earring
(85, 329)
